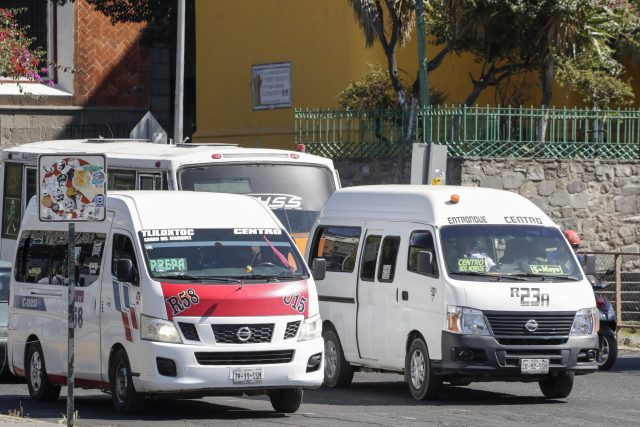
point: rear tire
(608, 352)
(557, 387)
(126, 400)
(337, 371)
(286, 401)
(40, 389)
(423, 383)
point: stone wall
(599, 199)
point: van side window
(121, 180)
(339, 246)
(42, 257)
(421, 241)
(387, 268)
(123, 249)
(369, 258)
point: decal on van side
(30, 303)
(255, 299)
(127, 311)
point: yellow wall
(325, 47)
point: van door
(368, 297)
(89, 250)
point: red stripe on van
(127, 328)
(263, 299)
(134, 320)
(79, 382)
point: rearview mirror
(425, 263)
(125, 271)
(318, 268)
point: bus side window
(12, 203)
(121, 180)
(337, 245)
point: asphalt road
(603, 398)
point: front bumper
(194, 378)
(492, 361)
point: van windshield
(518, 252)
(222, 255)
(295, 193)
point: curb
(8, 420)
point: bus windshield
(295, 193)
(222, 255)
(507, 251)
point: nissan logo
(244, 334)
(531, 325)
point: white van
(180, 294)
(453, 284)
(295, 185)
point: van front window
(295, 193)
(222, 255)
(507, 251)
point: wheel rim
(417, 369)
(35, 371)
(603, 354)
(330, 358)
(121, 381)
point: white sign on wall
(271, 85)
(72, 187)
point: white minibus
(450, 284)
(179, 294)
(295, 185)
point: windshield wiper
(548, 276)
(497, 277)
(183, 276)
(271, 277)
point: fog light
(166, 367)
(313, 364)
(465, 354)
(591, 355)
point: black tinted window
(387, 268)
(339, 246)
(369, 258)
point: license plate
(534, 366)
(247, 375)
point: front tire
(423, 383)
(557, 387)
(40, 389)
(608, 352)
(126, 400)
(337, 371)
(286, 401)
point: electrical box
(429, 164)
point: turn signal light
(216, 156)
(294, 155)
(455, 198)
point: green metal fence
(474, 132)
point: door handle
(405, 296)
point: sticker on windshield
(279, 201)
(471, 265)
(546, 269)
(168, 264)
(257, 231)
(167, 234)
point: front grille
(228, 334)
(189, 331)
(292, 330)
(509, 328)
(244, 357)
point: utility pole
(424, 83)
(179, 97)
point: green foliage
(600, 87)
(375, 92)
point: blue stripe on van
(116, 295)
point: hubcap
(603, 354)
(330, 358)
(121, 381)
(417, 369)
(35, 371)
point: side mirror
(425, 263)
(318, 268)
(125, 271)
(589, 264)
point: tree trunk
(547, 74)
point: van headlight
(154, 329)
(311, 328)
(586, 322)
(463, 320)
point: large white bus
(295, 185)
